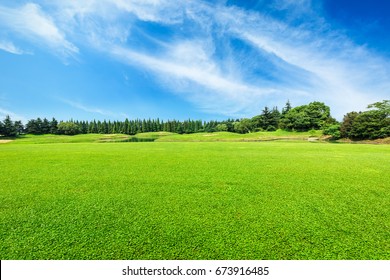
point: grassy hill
(235, 137)
(168, 137)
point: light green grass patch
(267, 200)
(235, 137)
(81, 138)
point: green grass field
(193, 200)
(169, 137)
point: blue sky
(198, 59)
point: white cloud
(347, 76)
(280, 58)
(29, 21)
(186, 67)
(305, 61)
(164, 11)
(89, 109)
(11, 48)
(14, 116)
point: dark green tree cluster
(305, 117)
(268, 120)
(131, 127)
(371, 124)
(41, 126)
(314, 116)
(9, 128)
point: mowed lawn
(268, 200)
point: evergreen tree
(92, 127)
(53, 126)
(38, 125)
(286, 108)
(126, 127)
(100, 128)
(346, 125)
(105, 127)
(83, 125)
(32, 127)
(265, 118)
(45, 126)
(8, 128)
(1, 128)
(19, 127)
(274, 120)
(179, 128)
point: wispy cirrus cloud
(223, 58)
(11, 48)
(345, 75)
(14, 116)
(30, 22)
(89, 109)
(300, 61)
(199, 79)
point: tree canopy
(306, 117)
(371, 124)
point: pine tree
(19, 127)
(53, 126)
(265, 118)
(8, 127)
(275, 117)
(45, 126)
(126, 127)
(286, 108)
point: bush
(312, 133)
(271, 128)
(68, 128)
(333, 130)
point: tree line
(371, 124)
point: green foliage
(8, 128)
(312, 132)
(346, 125)
(37, 126)
(223, 201)
(370, 124)
(383, 106)
(243, 126)
(286, 108)
(222, 127)
(19, 127)
(333, 130)
(267, 120)
(53, 126)
(271, 128)
(68, 128)
(303, 118)
(313, 116)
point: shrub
(333, 130)
(68, 128)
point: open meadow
(193, 200)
